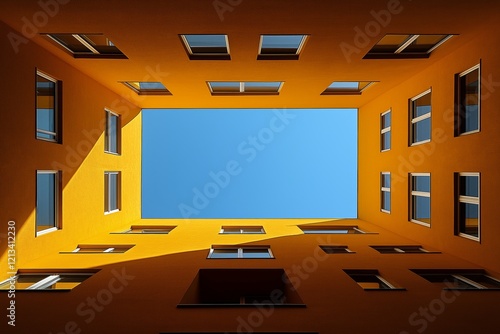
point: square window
(385, 131)
(242, 230)
(347, 87)
(147, 88)
(206, 47)
(234, 252)
(397, 46)
(370, 280)
(336, 250)
(48, 115)
(281, 47)
(467, 211)
(385, 195)
(468, 101)
(48, 199)
(420, 118)
(112, 139)
(112, 192)
(47, 281)
(420, 198)
(88, 45)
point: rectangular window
(347, 87)
(370, 280)
(88, 45)
(242, 230)
(420, 198)
(281, 46)
(332, 230)
(206, 47)
(385, 194)
(247, 252)
(48, 199)
(385, 131)
(147, 229)
(112, 192)
(45, 280)
(147, 87)
(336, 250)
(467, 211)
(245, 88)
(48, 116)
(394, 46)
(468, 101)
(112, 139)
(402, 250)
(451, 279)
(99, 249)
(420, 118)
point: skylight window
(249, 87)
(147, 88)
(206, 47)
(406, 46)
(347, 87)
(281, 46)
(88, 45)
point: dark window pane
(421, 183)
(386, 180)
(386, 200)
(224, 254)
(386, 120)
(256, 253)
(422, 130)
(424, 43)
(422, 209)
(282, 44)
(113, 192)
(469, 219)
(469, 186)
(422, 105)
(45, 201)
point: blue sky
(249, 163)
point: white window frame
(110, 114)
(415, 120)
(384, 190)
(421, 194)
(56, 110)
(107, 193)
(239, 252)
(57, 202)
(385, 130)
(464, 73)
(470, 200)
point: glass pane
(102, 44)
(421, 183)
(113, 192)
(422, 105)
(469, 186)
(422, 209)
(386, 141)
(483, 280)
(45, 104)
(386, 120)
(151, 86)
(224, 87)
(370, 282)
(344, 85)
(469, 219)
(424, 43)
(386, 180)
(421, 130)
(334, 249)
(71, 43)
(469, 102)
(45, 201)
(251, 230)
(207, 43)
(282, 44)
(262, 86)
(326, 231)
(249, 253)
(224, 254)
(386, 200)
(112, 136)
(68, 281)
(448, 281)
(389, 43)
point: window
(420, 198)
(393, 46)
(347, 87)
(48, 200)
(420, 116)
(48, 107)
(370, 280)
(451, 279)
(99, 249)
(147, 88)
(467, 210)
(147, 229)
(245, 88)
(234, 252)
(281, 47)
(88, 45)
(242, 230)
(206, 47)
(112, 139)
(385, 194)
(30, 280)
(111, 192)
(332, 230)
(401, 250)
(241, 288)
(385, 131)
(336, 250)
(468, 101)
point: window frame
(57, 202)
(282, 56)
(460, 112)
(420, 194)
(242, 88)
(150, 91)
(223, 229)
(52, 277)
(107, 193)
(375, 274)
(336, 249)
(147, 229)
(240, 250)
(400, 249)
(106, 249)
(94, 53)
(205, 55)
(458, 274)
(351, 229)
(399, 54)
(384, 190)
(415, 120)
(57, 109)
(347, 90)
(467, 200)
(118, 132)
(384, 130)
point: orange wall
(443, 156)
